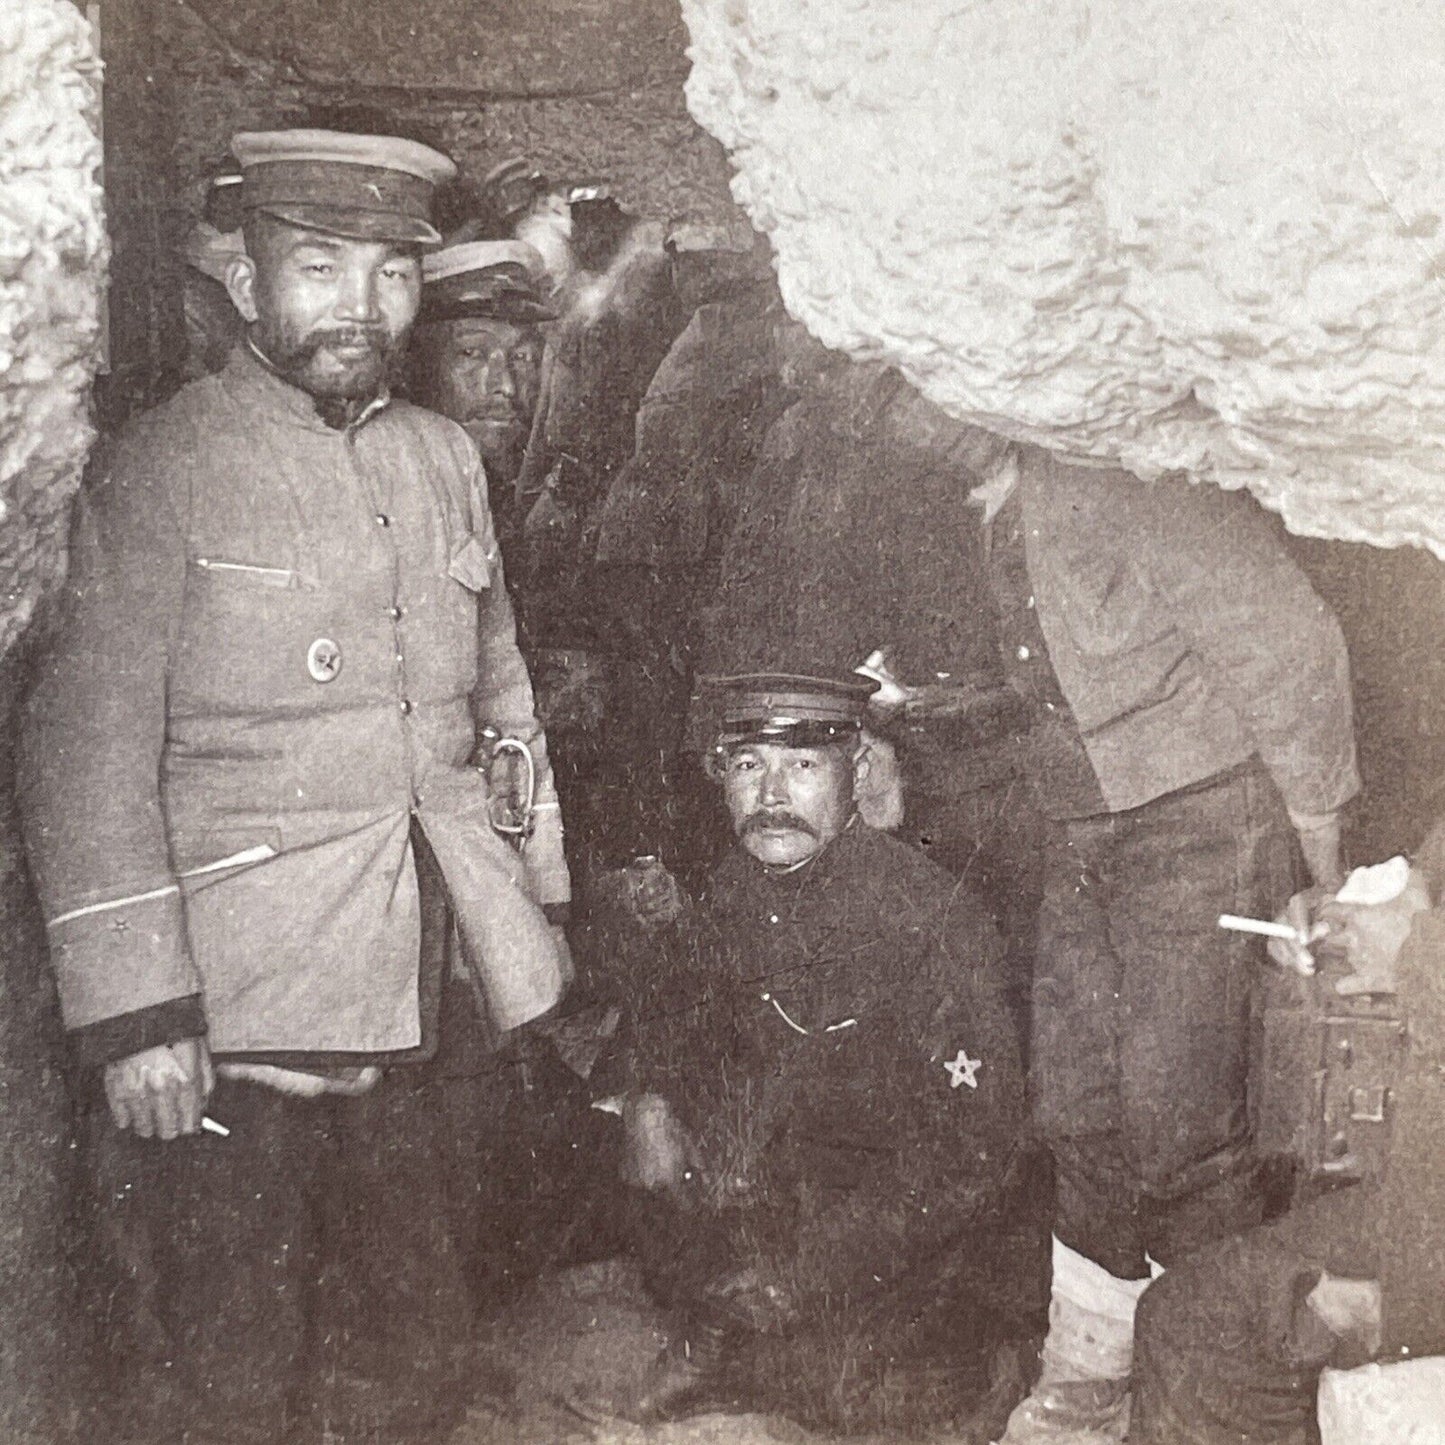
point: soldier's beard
(502, 444)
(341, 364)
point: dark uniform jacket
(698, 429)
(277, 645)
(854, 531)
(841, 1026)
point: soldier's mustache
(764, 821)
(368, 336)
(300, 354)
(496, 411)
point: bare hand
(644, 891)
(1350, 1310)
(1302, 913)
(891, 694)
(161, 1092)
(653, 895)
(659, 1152)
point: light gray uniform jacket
(278, 645)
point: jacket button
(405, 707)
(382, 520)
(395, 613)
(1024, 654)
(323, 659)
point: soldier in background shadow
(660, 534)
(477, 352)
(516, 1106)
(607, 280)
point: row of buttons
(1023, 654)
(396, 611)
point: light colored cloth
(1400, 1404)
(1099, 1345)
(279, 643)
(1082, 1394)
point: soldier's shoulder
(424, 422)
(439, 435)
(908, 886)
(899, 864)
(162, 440)
(195, 401)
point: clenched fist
(161, 1092)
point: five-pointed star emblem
(963, 1070)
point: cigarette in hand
(1267, 929)
(212, 1127)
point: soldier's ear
(241, 286)
(878, 783)
(862, 765)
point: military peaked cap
(787, 709)
(362, 187)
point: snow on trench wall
(1183, 237)
(52, 271)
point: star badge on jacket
(963, 1070)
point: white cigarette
(1258, 925)
(212, 1127)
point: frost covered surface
(1197, 237)
(52, 270)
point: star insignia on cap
(963, 1070)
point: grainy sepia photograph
(721, 722)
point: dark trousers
(865, 1308)
(1225, 1353)
(302, 1274)
(1142, 1016)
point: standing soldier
(478, 347)
(1191, 702)
(254, 784)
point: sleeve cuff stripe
(112, 903)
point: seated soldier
(1229, 1345)
(826, 1105)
